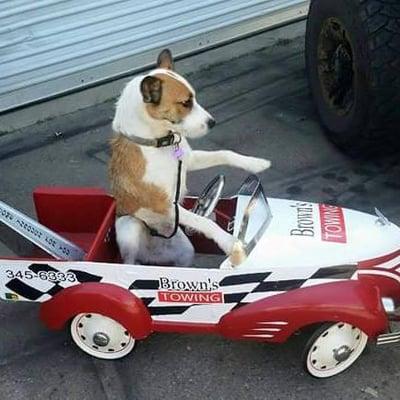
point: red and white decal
(333, 227)
(190, 297)
(189, 291)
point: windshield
(253, 214)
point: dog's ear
(165, 60)
(151, 89)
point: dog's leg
(164, 224)
(182, 250)
(177, 251)
(129, 234)
(208, 228)
(207, 159)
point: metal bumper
(393, 311)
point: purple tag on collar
(178, 152)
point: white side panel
(196, 295)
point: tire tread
(383, 30)
(380, 25)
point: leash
(172, 139)
(153, 232)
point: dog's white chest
(162, 168)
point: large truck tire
(353, 66)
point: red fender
(102, 298)
(276, 318)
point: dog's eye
(187, 103)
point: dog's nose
(211, 123)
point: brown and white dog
(144, 178)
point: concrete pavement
(262, 106)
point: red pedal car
(307, 264)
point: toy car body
(307, 264)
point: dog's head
(167, 100)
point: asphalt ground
(262, 105)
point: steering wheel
(208, 200)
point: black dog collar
(173, 138)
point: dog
(155, 115)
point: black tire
(353, 67)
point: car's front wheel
(333, 348)
(101, 336)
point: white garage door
(52, 47)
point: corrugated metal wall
(49, 47)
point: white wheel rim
(335, 350)
(100, 336)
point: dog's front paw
(238, 254)
(256, 165)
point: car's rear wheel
(101, 336)
(353, 65)
(333, 348)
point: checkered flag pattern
(38, 290)
(236, 289)
(240, 289)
